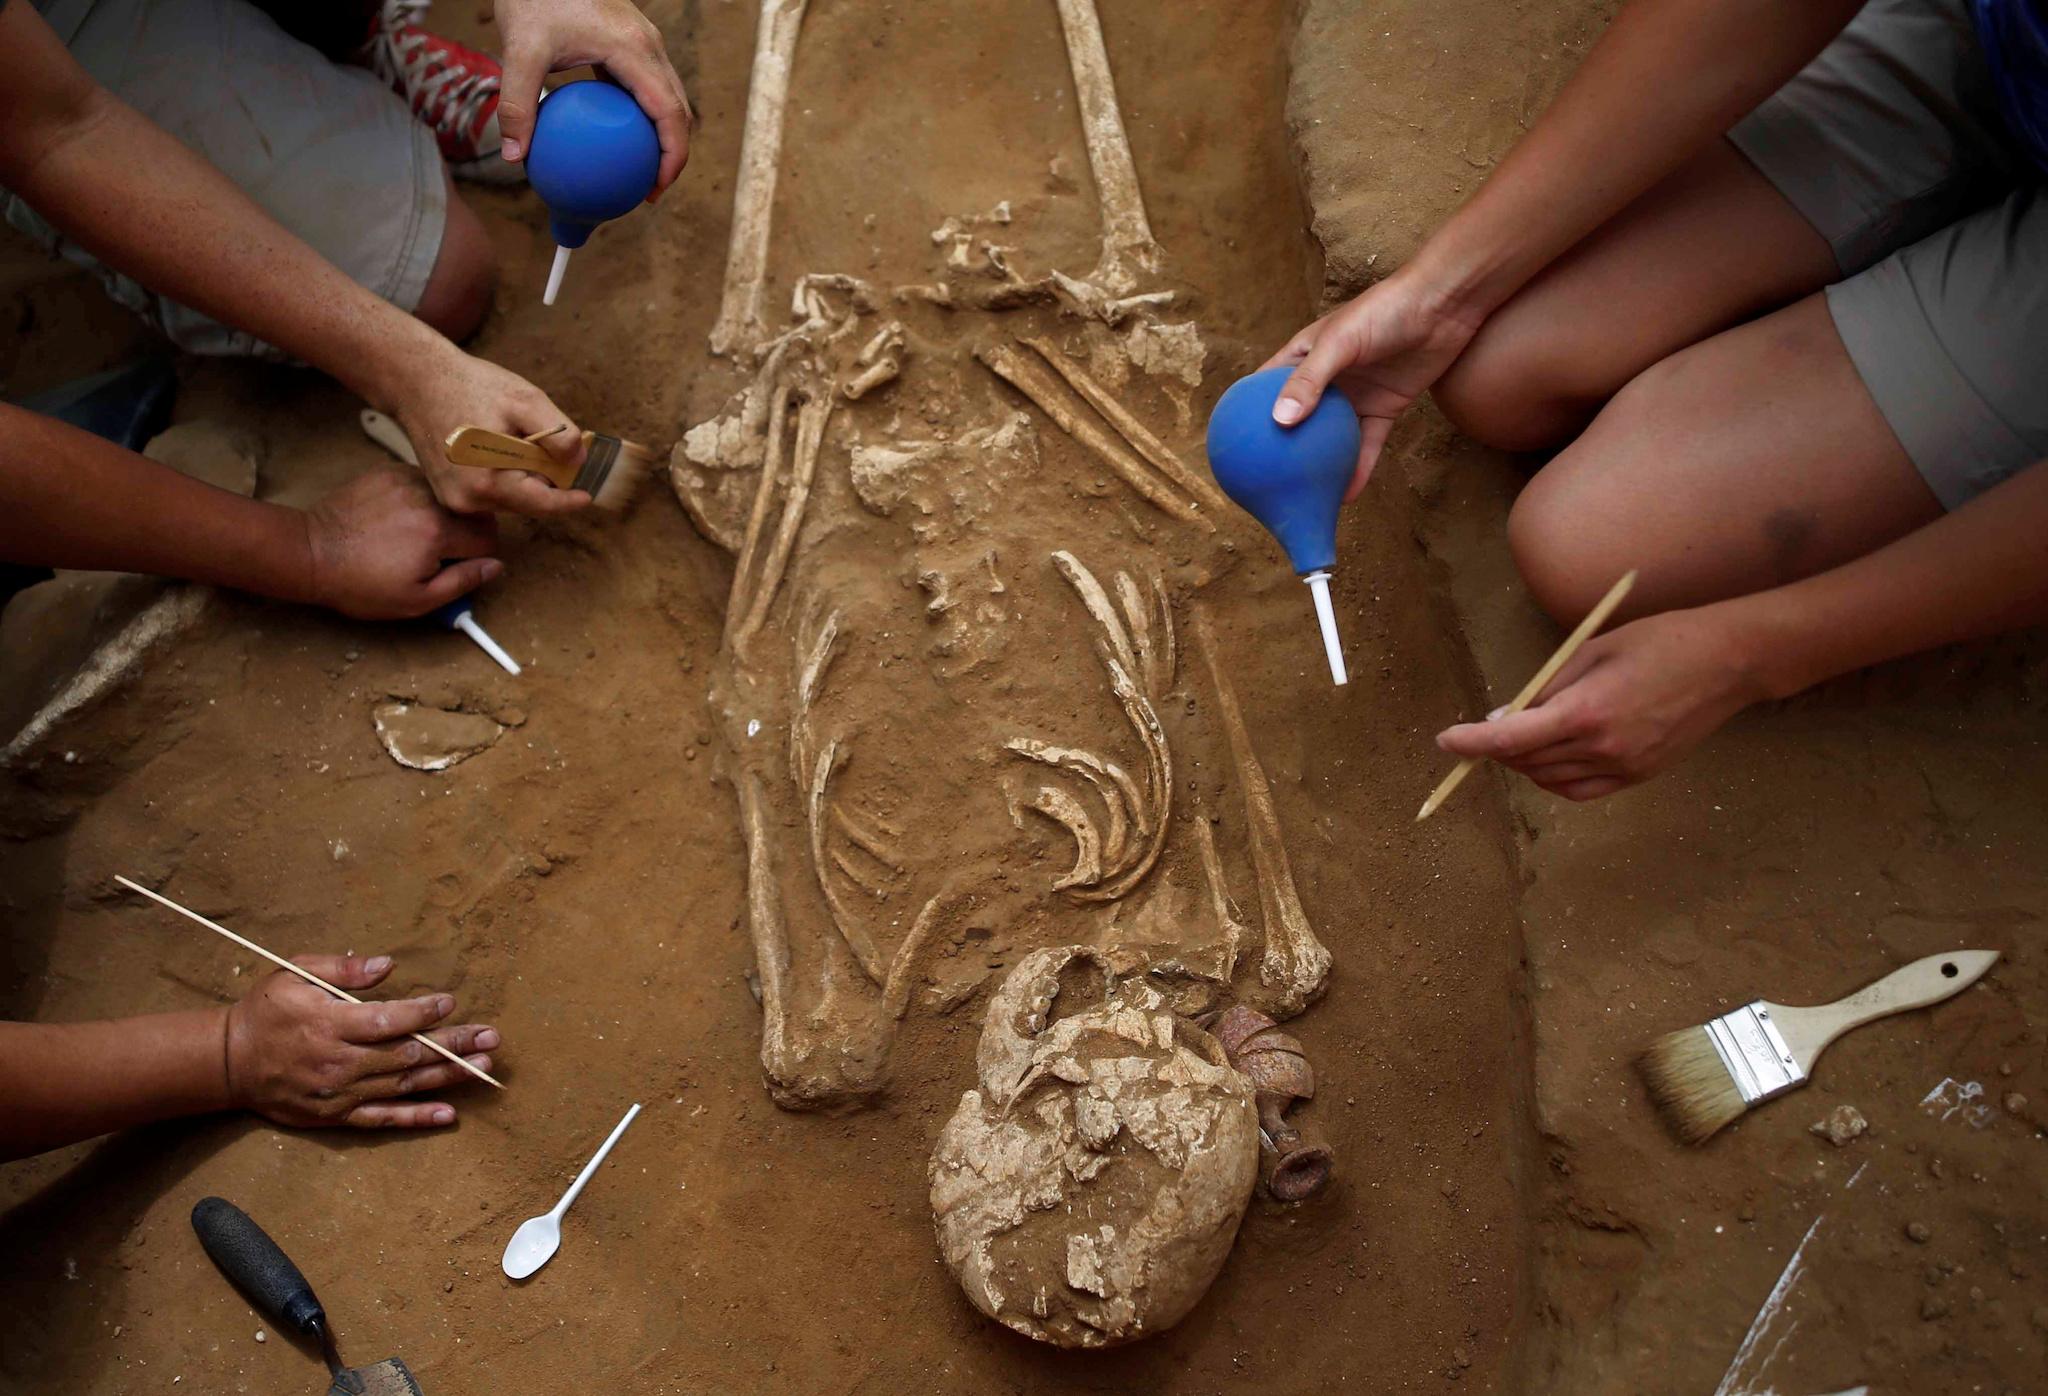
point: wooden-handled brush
(612, 469)
(611, 472)
(1703, 1078)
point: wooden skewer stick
(1595, 618)
(305, 974)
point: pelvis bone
(1087, 1193)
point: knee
(1565, 559)
(464, 281)
(1511, 391)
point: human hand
(299, 1056)
(1383, 348)
(1628, 704)
(380, 547)
(545, 36)
(458, 390)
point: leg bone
(739, 326)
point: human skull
(1089, 1191)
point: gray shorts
(327, 150)
(1892, 146)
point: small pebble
(2015, 1103)
(1918, 1233)
(261, 1336)
(448, 1287)
(1933, 1307)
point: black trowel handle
(246, 1254)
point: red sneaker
(450, 87)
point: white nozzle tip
(555, 276)
(1326, 617)
(469, 627)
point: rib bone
(1126, 233)
(1295, 963)
(739, 325)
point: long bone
(1220, 900)
(850, 929)
(1136, 432)
(1126, 232)
(1032, 381)
(1295, 963)
(739, 326)
(764, 491)
(1064, 810)
(810, 435)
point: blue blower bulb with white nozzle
(1291, 479)
(594, 156)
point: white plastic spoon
(538, 1238)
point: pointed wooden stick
(1595, 618)
(305, 974)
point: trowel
(246, 1254)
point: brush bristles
(1690, 1084)
(629, 471)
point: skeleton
(1088, 1192)
(930, 784)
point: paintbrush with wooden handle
(611, 473)
(1704, 1077)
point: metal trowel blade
(386, 1378)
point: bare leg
(1746, 461)
(1710, 247)
(465, 275)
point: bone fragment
(1119, 794)
(771, 467)
(1096, 600)
(1295, 963)
(873, 376)
(1007, 364)
(1092, 302)
(111, 665)
(867, 839)
(1063, 809)
(1220, 901)
(1134, 431)
(850, 928)
(896, 991)
(810, 435)
(1126, 233)
(765, 924)
(739, 326)
(1118, 656)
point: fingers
(1314, 372)
(406, 1053)
(380, 1022)
(468, 535)
(525, 68)
(1593, 789)
(652, 80)
(436, 1076)
(475, 490)
(423, 1114)
(1296, 349)
(346, 971)
(458, 579)
(1372, 440)
(1512, 737)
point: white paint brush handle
(1808, 1031)
(595, 1159)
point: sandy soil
(1507, 1216)
(580, 882)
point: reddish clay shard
(1296, 1161)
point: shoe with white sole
(450, 87)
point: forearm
(63, 1082)
(144, 204)
(1668, 77)
(70, 499)
(1978, 571)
